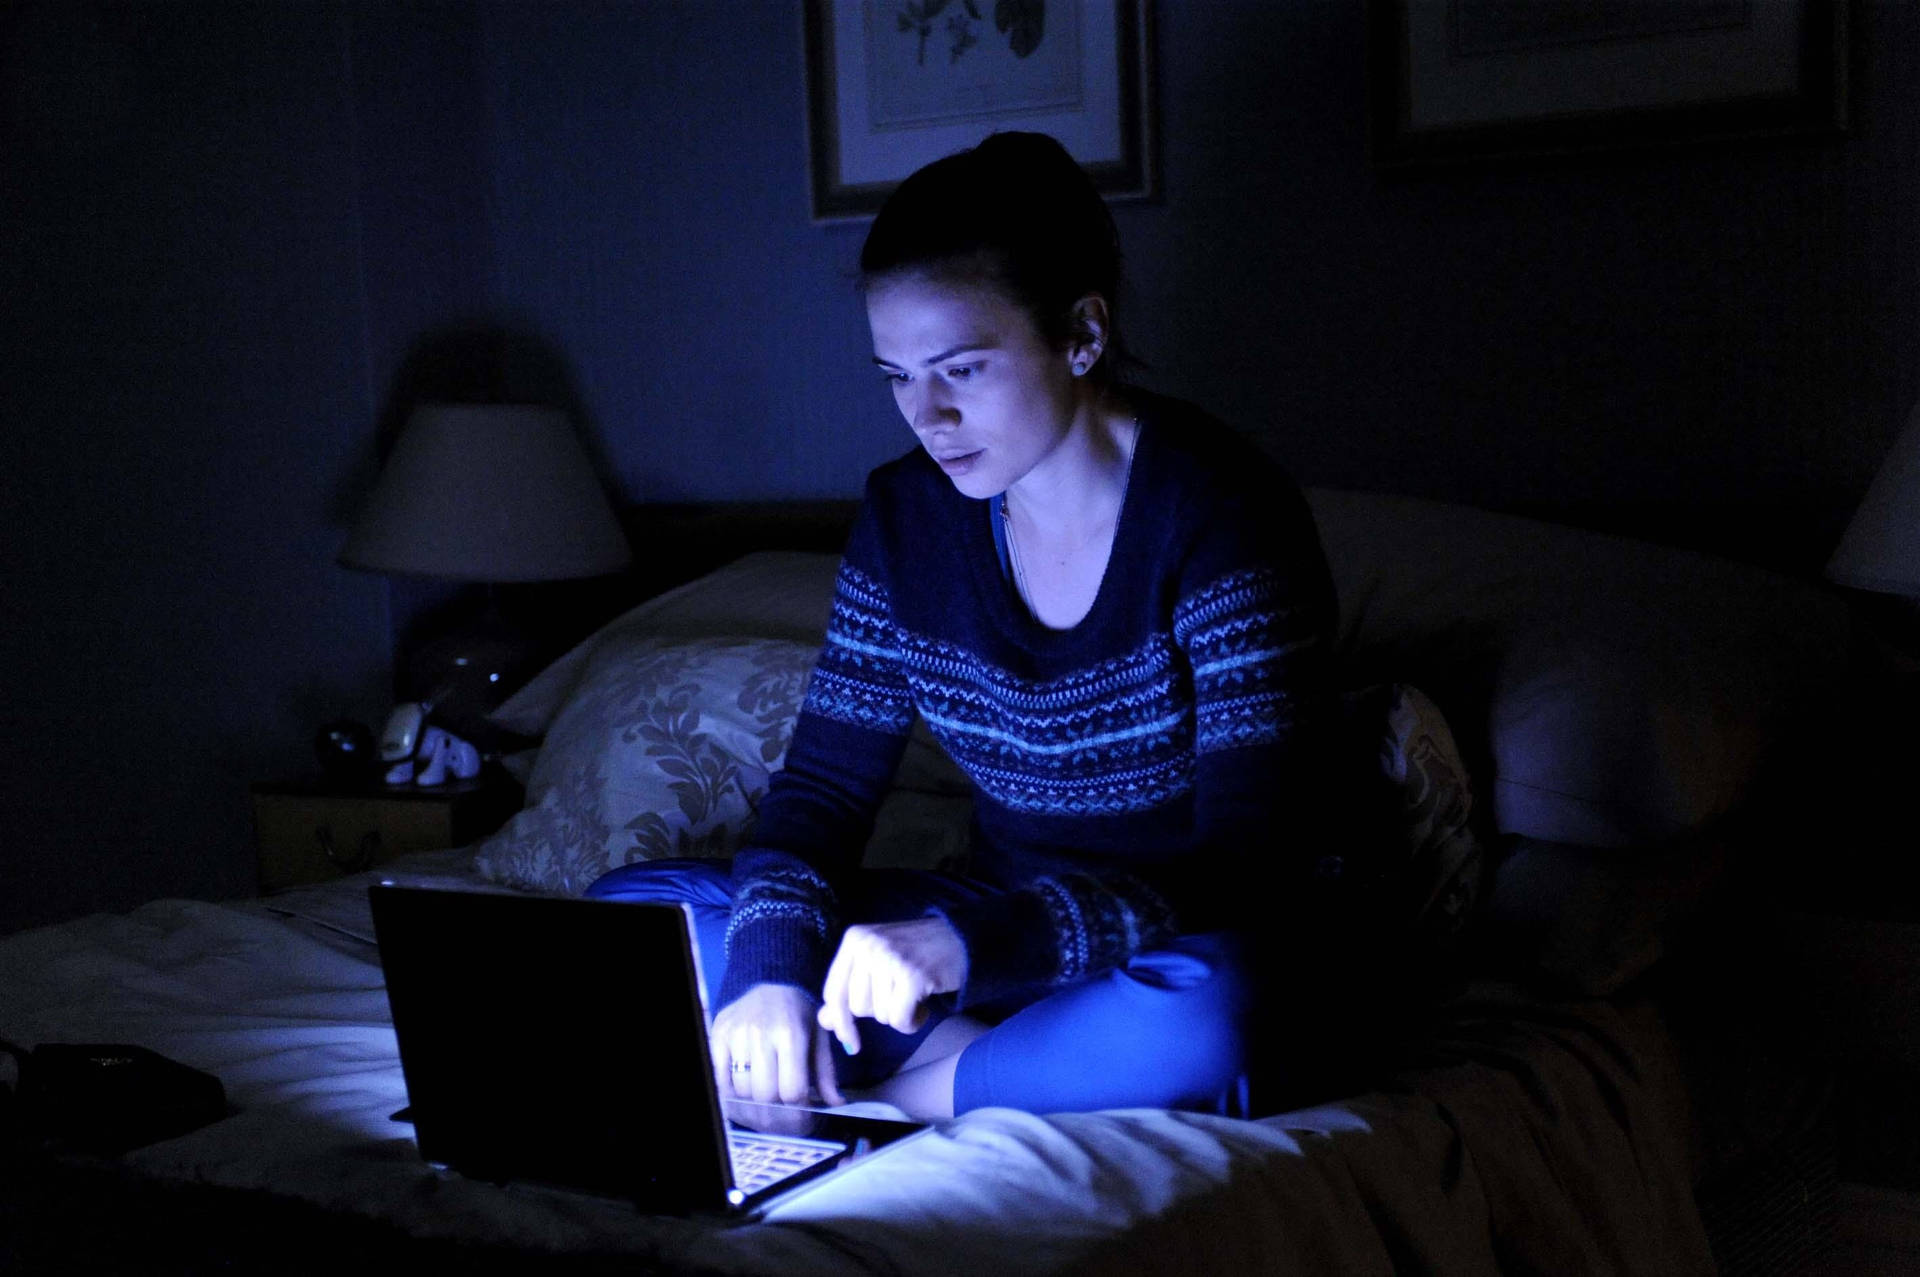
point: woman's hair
(1017, 213)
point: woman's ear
(1089, 334)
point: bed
(1578, 1090)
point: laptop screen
(554, 1040)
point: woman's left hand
(886, 970)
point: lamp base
(466, 672)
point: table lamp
(494, 494)
(1880, 550)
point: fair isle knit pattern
(1109, 739)
(1096, 927)
(1125, 771)
(1240, 644)
(788, 894)
(1119, 736)
(857, 679)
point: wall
(219, 220)
(1712, 342)
(236, 237)
(649, 204)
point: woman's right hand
(767, 1046)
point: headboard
(676, 543)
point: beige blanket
(1522, 1136)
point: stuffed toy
(417, 752)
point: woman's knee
(669, 882)
(1202, 977)
(1199, 994)
(1168, 1030)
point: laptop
(562, 1042)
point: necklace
(1013, 556)
(1020, 587)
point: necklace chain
(1013, 555)
(1013, 545)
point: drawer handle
(368, 853)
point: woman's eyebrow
(963, 349)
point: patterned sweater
(1136, 777)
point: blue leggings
(1167, 1030)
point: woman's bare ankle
(924, 1093)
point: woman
(1114, 616)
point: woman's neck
(1079, 486)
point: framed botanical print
(1490, 79)
(895, 84)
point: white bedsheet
(282, 999)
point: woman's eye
(893, 378)
(963, 372)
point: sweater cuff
(773, 950)
(1009, 941)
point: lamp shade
(488, 492)
(1881, 547)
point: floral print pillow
(1434, 858)
(663, 749)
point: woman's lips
(961, 464)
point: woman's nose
(929, 411)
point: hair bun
(1028, 146)
(1016, 163)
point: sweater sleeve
(819, 808)
(1252, 624)
(1260, 642)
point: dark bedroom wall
(649, 218)
(1666, 340)
(228, 230)
(219, 226)
(1713, 341)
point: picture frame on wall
(1462, 80)
(895, 84)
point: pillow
(1606, 692)
(1446, 869)
(1588, 921)
(663, 748)
(775, 594)
(1435, 869)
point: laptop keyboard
(760, 1160)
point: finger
(722, 1060)
(895, 992)
(841, 1026)
(833, 1014)
(904, 1002)
(825, 1076)
(838, 1021)
(833, 992)
(860, 986)
(739, 1061)
(882, 976)
(906, 1007)
(763, 1078)
(792, 1066)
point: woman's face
(986, 395)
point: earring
(1079, 369)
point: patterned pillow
(1437, 868)
(663, 748)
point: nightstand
(310, 829)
